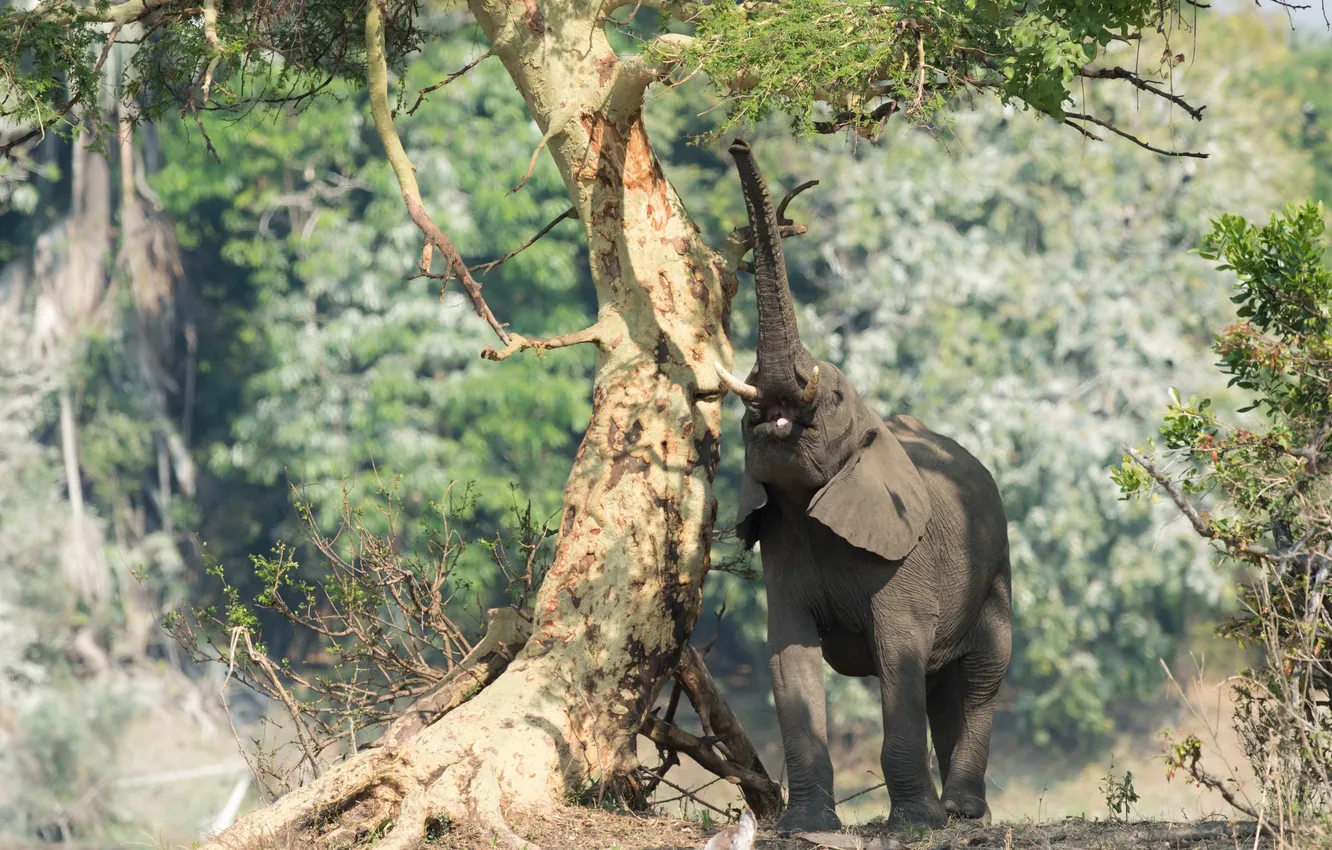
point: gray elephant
(885, 551)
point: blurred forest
(165, 398)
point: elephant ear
(878, 500)
(753, 496)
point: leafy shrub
(1266, 495)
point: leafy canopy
(855, 62)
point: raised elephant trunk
(785, 367)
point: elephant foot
(967, 806)
(926, 812)
(966, 799)
(807, 818)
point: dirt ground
(583, 829)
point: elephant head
(807, 433)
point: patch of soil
(591, 829)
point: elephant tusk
(812, 388)
(748, 392)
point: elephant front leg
(796, 662)
(905, 758)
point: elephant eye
(837, 394)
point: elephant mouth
(780, 419)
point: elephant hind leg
(980, 672)
(943, 704)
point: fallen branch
(377, 78)
(1078, 116)
(517, 343)
(719, 721)
(571, 212)
(671, 737)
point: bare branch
(1117, 73)
(377, 78)
(517, 343)
(571, 212)
(420, 96)
(790, 196)
(673, 737)
(719, 720)
(302, 733)
(1084, 131)
(1132, 138)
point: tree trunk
(624, 590)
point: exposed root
(486, 809)
(409, 827)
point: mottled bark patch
(606, 68)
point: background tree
(638, 508)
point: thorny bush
(1263, 494)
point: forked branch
(741, 240)
(377, 77)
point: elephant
(884, 548)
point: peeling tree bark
(624, 589)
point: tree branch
(214, 45)
(517, 343)
(681, 11)
(1117, 73)
(1132, 138)
(571, 212)
(507, 630)
(377, 78)
(420, 96)
(741, 240)
(1186, 507)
